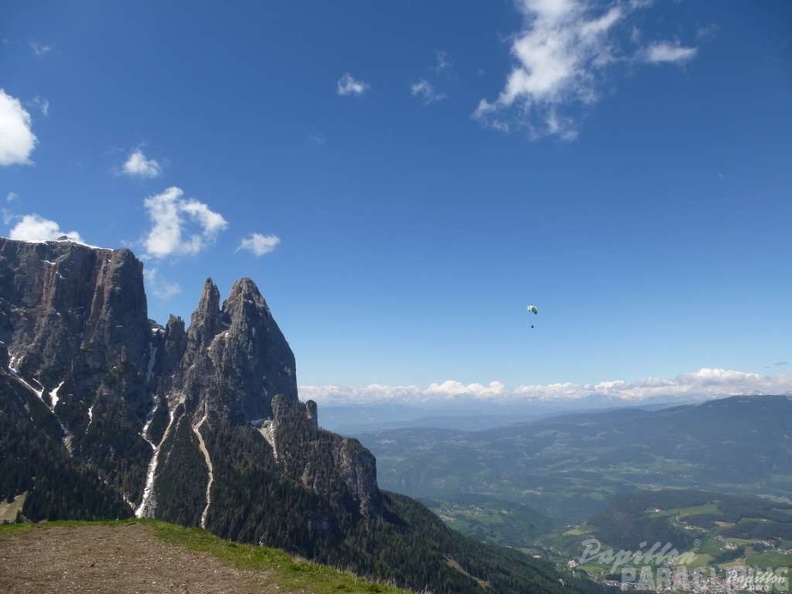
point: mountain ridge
(61, 337)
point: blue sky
(416, 173)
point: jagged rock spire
(204, 321)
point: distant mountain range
(105, 414)
(471, 414)
(565, 468)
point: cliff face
(60, 301)
(73, 321)
(146, 406)
(315, 458)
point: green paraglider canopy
(532, 309)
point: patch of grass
(780, 479)
(701, 560)
(78, 523)
(769, 559)
(241, 556)
(8, 529)
(579, 530)
(707, 508)
(289, 572)
(27, 525)
(711, 546)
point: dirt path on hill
(117, 560)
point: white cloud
(561, 56)
(702, 384)
(17, 140)
(559, 53)
(40, 49)
(33, 227)
(138, 165)
(170, 215)
(371, 393)
(259, 244)
(424, 89)
(666, 52)
(161, 287)
(211, 222)
(454, 388)
(347, 85)
(11, 196)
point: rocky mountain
(104, 413)
(126, 392)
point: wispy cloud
(171, 216)
(42, 105)
(707, 31)
(17, 140)
(425, 91)
(561, 56)
(317, 139)
(443, 62)
(159, 286)
(137, 165)
(11, 196)
(702, 384)
(39, 48)
(348, 85)
(667, 52)
(32, 227)
(259, 244)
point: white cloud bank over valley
(705, 383)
